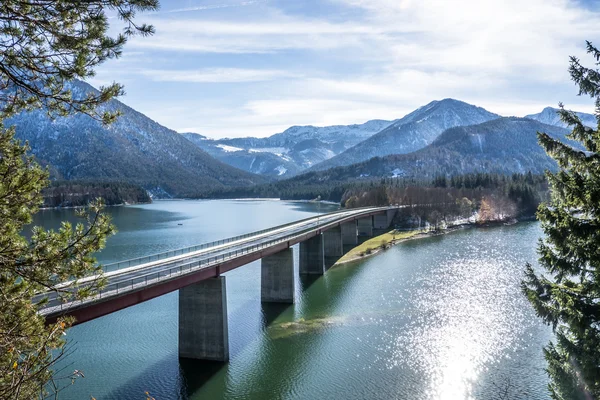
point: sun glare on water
(457, 329)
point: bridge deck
(133, 284)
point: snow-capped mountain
(134, 149)
(290, 152)
(550, 116)
(505, 145)
(412, 132)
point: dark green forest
(487, 198)
(81, 193)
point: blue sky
(255, 67)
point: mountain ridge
(505, 145)
(134, 149)
(289, 152)
(549, 115)
(412, 132)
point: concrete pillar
(380, 221)
(203, 333)
(365, 226)
(277, 277)
(391, 214)
(349, 234)
(312, 259)
(332, 242)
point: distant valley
(290, 152)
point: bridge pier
(349, 234)
(277, 277)
(383, 221)
(203, 332)
(332, 242)
(380, 221)
(312, 260)
(365, 226)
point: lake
(434, 318)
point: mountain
(261, 160)
(412, 132)
(550, 116)
(134, 149)
(290, 152)
(505, 145)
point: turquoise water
(436, 318)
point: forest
(485, 197)
(81, 193)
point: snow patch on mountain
(229, 149)
(295, 149)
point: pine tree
(44, 45)
(568, 297)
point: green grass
(377, 242)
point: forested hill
(135, 149)
(81, 193)
(503, 146)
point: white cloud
(217, 75)
(205, 36)
(207, 7)
(509, 56)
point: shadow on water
(149, 380)
(273, 310)
(195, 373)
(240, 333)
(329, 261)
(187, 376)
(190, 376)
(307, 280)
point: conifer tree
(44, 45)
(567, 296)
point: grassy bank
(377, 244)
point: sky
(234, 68)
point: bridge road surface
(136, 277)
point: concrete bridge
(197, 273)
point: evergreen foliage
(44, 45)
(568, 296)
(82, 193)
(47, 44)
(495, 198)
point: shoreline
(106, 205)
(412, 235)
(193, 199)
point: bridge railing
(152, 278)
(177, 252)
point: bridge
(197, 273)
